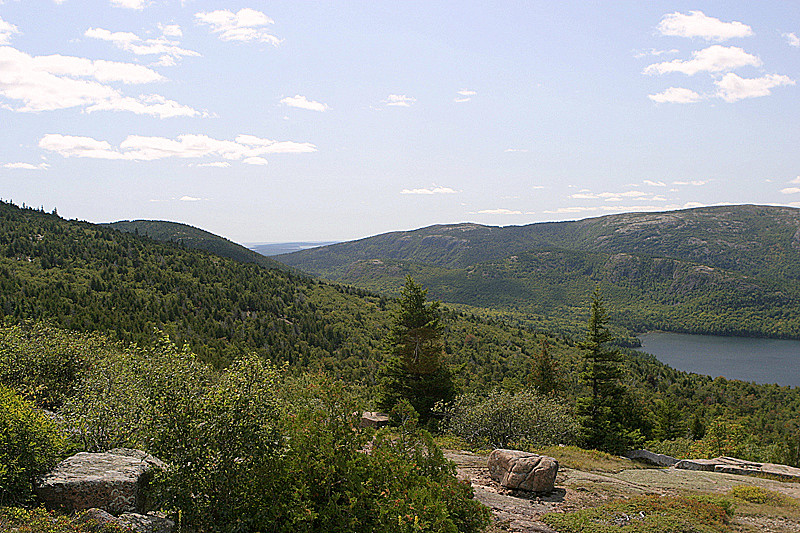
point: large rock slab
(647, 456)
(518, 470)
(732, 465)
(111, 481)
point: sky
(300, 121)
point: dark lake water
(759, 360)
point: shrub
(136, 397)
(43, 362)
(759, 495)
(40, 520)
(29, 444)
(503, 418)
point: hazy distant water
(759, 360)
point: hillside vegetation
(732, 270)
(191, 237)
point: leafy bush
(136, 397)
(263, 450)
(503, 418)
(30, 443)
(43, 362)
(40, 520)
(759, 495)
(678, 448)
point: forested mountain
(191, 237)
(723, 270)
(86, 277)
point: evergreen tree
(414, 370)
(544, 374)
(600, 413)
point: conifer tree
(414, 370)
(600, 413)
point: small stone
(519, 470)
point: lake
(759, 360)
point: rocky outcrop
(732, 465)
(653, 458)
(518, 470)
(140, 523)
(112, 481)
(374, 419)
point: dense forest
(82, 302)
(730, 270)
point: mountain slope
(725, 270)
(192, 237)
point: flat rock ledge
(647, 456)
(732, 465)
(111, 481)
(150, 523)
(518, 470)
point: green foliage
(503, 418)
(30, 443)
(649, 514)
(760, 495)
(43, 362)
(40, 520)
(136, 397)
(191, 237)
(545, 373)
(415, 371)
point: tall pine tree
(414, 370)
(600, 413)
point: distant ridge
(192, 237)
(732, 270)
(277, 248)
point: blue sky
(283, 121)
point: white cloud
(715, 58)
(6, 31)
(400, 100)
(130, 4)
(499, 212)
(695, 183)
(655, 183)
(733, 88)
(189, 199)
(795, 180)
(791, 190)
(698, 24)
(27, 166)
(244, 25)
(170, 30)
(792, 39)
(46, 83)
(586, 194)
(131, 42)
(654, 52)
(255, 161)
(516, 150)
(430, 190)
(676, 95)
(247, 148)
(464, 95)
(217, 164)
(303, 103)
